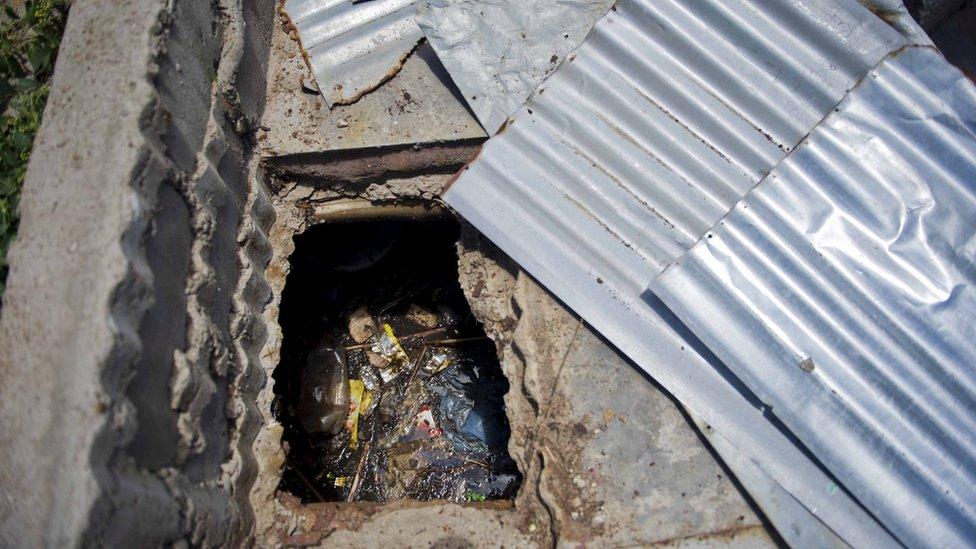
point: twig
(407, 337)
(459, 340)
(416, 365)
(468, 463)
(484, 464)
(400, 299)
(304, 480)
(359, 472)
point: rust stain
(890, 17)
(383, 80)
(292, 31)
(367, 164)
(467, 165)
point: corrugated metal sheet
(842, 291)
(354, 46)
(643, 139)
(792, 520)
(896, 14)
(498, 52)
(697, 97)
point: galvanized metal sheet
(663, 119)
(794, 522)
(354, 46)
(498, 52)
(701, 107)
(842, 291)
(897, 15)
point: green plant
(472, 496)
(29, 41)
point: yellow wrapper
(401, 354)
(360, 398)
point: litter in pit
(387, 387)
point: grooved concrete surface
(57, 331)
(129, 319)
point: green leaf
(26, 84)
(6, 91)
(11, 67)
(39, 56)
(28, 47)
(471, 496)
(21, 141)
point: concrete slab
(418, 105)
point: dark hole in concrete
(426, 435)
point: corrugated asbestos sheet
(842, 291)
(644, 139)
(354, 46)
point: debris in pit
(424, 414)
(360, 401)
(322, 399)
(387, 346)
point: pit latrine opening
(387, 386)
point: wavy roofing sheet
(671, 111)
(643, 139)
(842, 291)
(354, 45)
(498, 52)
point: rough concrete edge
(97, 494)
(107, 344)
(494, 287)
(135, 495)
(296, 209)
(219, 512)
(266, 448)
(251, 296)
(208, 518)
